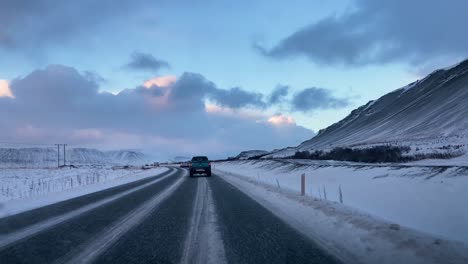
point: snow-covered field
(25, 189)
(428, 199)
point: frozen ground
(25, 189)
(428, 199)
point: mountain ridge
(431, 111)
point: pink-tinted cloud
(162, 84)
(160, 81)
(281, 120)
(5, 89)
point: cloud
(61, 104)
(280, 120)
(378, 32)
(161, 81)
(36, 24)
(237, 98)
(193, 89)
(278, 94)
(317, 98)
(87, 134)
(5, 89)
(55, 85)
(145, 62)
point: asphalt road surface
(168, 218)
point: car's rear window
(199, 159)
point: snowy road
(168, 218)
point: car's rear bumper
(200, 170)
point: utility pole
(58, 155)
(64, 155)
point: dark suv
(199, 165)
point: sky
(210, 77)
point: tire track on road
(203, 243)
(160, 237)
(109, 236)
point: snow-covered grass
(429, 199)
(350, 234)
(25, 189)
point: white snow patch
(26, 189)
(429, 199)
(349, 234)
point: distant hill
(250, 154)
(45, 157)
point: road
(168, 218)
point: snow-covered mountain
(127, 156)
(21, 156)
(431, 113)
(250, 153)
(43, 156)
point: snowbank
(429, 199)
(349, 234)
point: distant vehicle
(156, 164)
(185, 165)
(146, 167)
(200, 165)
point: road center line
(6, 240)
(203, 243)
(119, 228)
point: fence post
(340, 194)
(303, 184)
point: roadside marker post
(303, 184)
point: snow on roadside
(428, 199)
(349, 234)
(26, 189)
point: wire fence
(28, 170)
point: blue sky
(332, 55)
